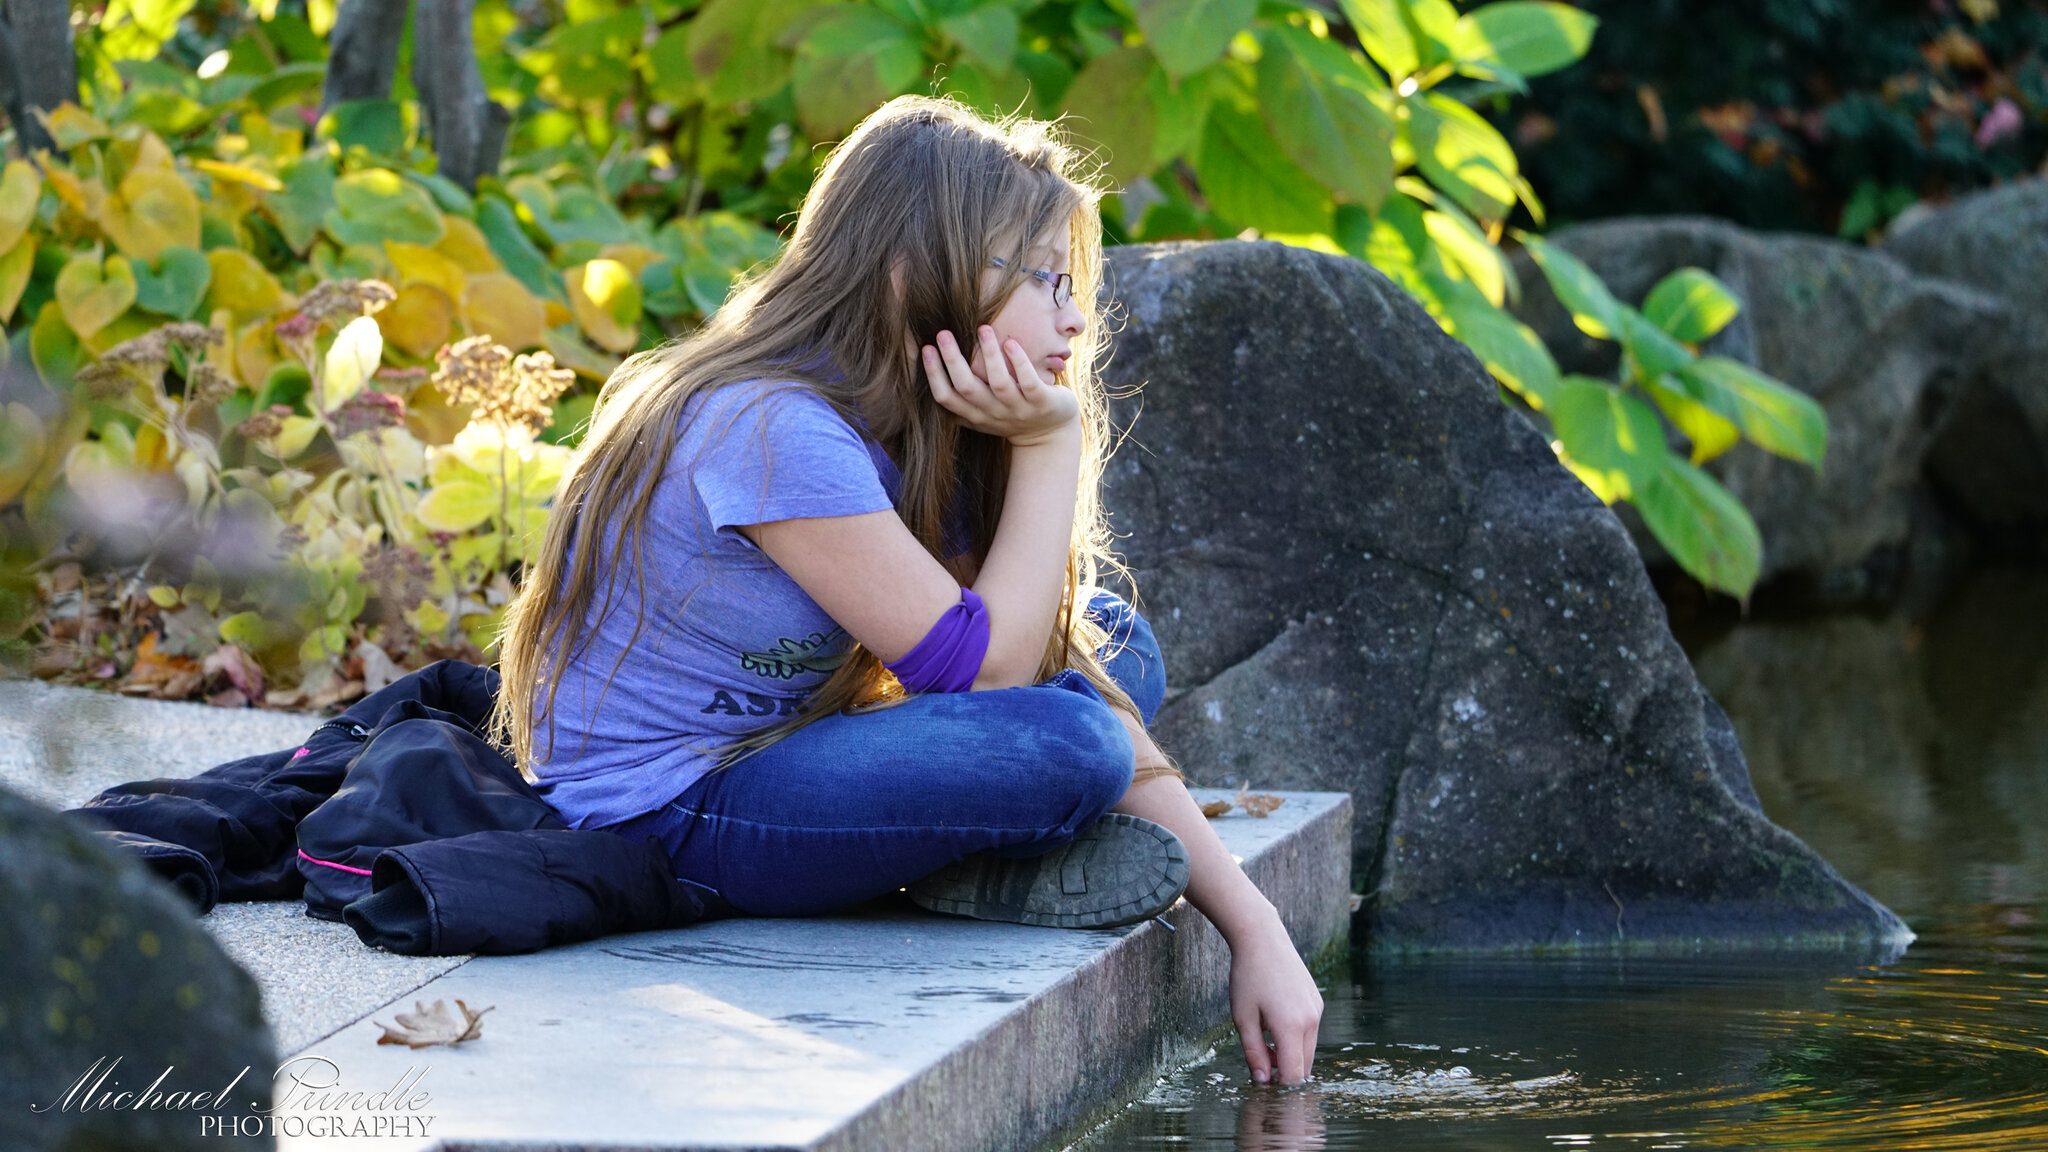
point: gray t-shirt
(731, 644)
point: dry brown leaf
(1215, 808)
(1257, 803)
(424, 1026)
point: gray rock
(1367, 573)
(1880, 346)
(105, 968)
(1990, 451)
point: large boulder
(1990, 452)
(1367, 573)
(107, 982)
(1880, 346)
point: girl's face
(1045, 329)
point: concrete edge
(1069, 1058)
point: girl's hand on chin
(999, 391)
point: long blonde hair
(925, 182)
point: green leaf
(1111, 103)
(1189, 35)
(1464, 156)
(1776, 417)
(457, 506)
(1250, 182)
(520, 255)
(1652, 348)
(54, 349)
(733, 50)
(1506, 346)
(93, 294)
(589, 60)
(248, 630)
(1594, 309)
(987, 35)
(1529, 38)
(176, 285)
(1690, 305)
(1609, 432)
(376, 126)
(1703, 526)
(851, 60)
(376, 204)
(307, 197)
(1383, 34)
(1710, 432)
(1317, 102)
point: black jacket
(399, 819)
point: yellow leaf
(351, 360)
(298, 432)
(497, 305)
(241, 285)
(22, 441)
(91, 295)
(429, 618)
(82, 196)
(420, 320)
(464, 243)
(240, 174)
(457, 506)
(20, 186)
(634, 256)
(255, 350)
(15, 267)
(606, 298)
(71, 126)
(152, 210)
(421, 265)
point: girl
(854, 516)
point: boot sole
(1120, 870)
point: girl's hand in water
(999, 390)
(1271, 991)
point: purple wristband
(950, 655)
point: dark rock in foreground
(1367, 573)
(105, 964)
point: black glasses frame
(1062, 284)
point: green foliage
(656, 148)
(1808, 115)
(1612, 438)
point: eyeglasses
(1062, 284)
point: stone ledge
(885, 1026)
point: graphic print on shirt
(789, 658)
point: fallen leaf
(1215, 808)
(424, 1027)
(241, 670)
(1257, 803)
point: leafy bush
(1808, 115)
(231, 295)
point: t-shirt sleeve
(783, 454)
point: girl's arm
(1271, 990)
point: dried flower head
(498, 387)
(339, 301)
(265, 425)
(105, 381)
(148, 352)
(190, 338)
(367, 410)
(207, 385)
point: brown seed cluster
(498, 387)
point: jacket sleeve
(500, 892)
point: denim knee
(1099, 754)
(1131, 655)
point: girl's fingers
(997, 361)
(965, 384)
(1255, 1054)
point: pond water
(1912, 752)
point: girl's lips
(1058, 362)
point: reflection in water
(1913, 755)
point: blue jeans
(849, 808)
